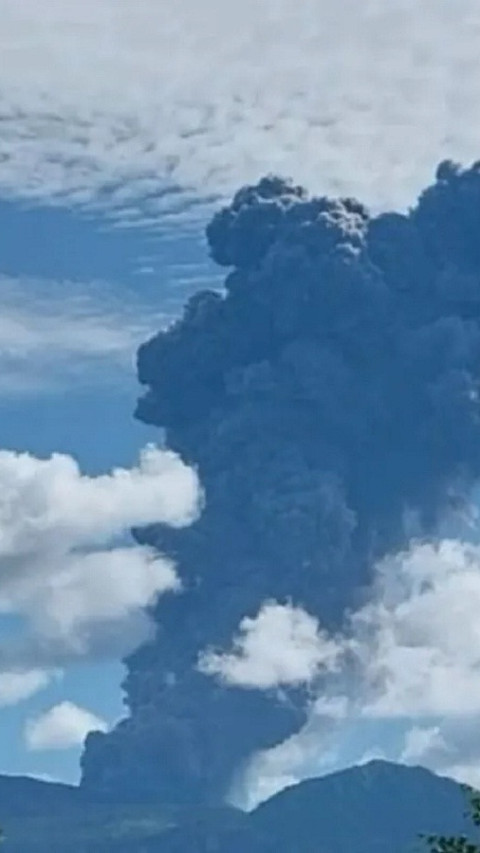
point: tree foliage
(460, 843)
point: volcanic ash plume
(327, 396)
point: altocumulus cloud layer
(66, 566)
(329, 399)
(141, 107)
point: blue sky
(121, 126)
(84, 415)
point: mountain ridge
(373, 808)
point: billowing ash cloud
(329, 399)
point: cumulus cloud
(63, 567)
(282, 645)
(413, 649)
(21, 684)
(418, 641)
(407, 678)
(61, 727)
(123, 105)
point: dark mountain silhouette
(377, 808)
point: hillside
(376, 808)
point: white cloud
(55, 333)
(449, 746)
(407, 681)
(18, 685)
(421, 741)
(62, 727)
(415, 647)
(313, 752)
(96, 603)
(106, 103)
(419, 638)
(417, 642)
(282, 645)
(62, 567)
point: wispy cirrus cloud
(56, 332)
(143, 108)
(18, 685)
